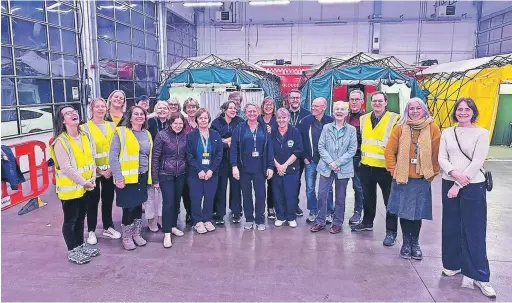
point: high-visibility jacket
(101, 142)
(81, 159)
(129, 155)
(374, 140)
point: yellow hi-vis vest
(374, 140)
(80, 158)
(101, 142)
(129, 155)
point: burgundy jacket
(169, 154)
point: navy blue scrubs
(273, 127)
(285, 187)
(203, 154)
(225, 130)
(252, 153)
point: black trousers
(74, 220)
(187, 201)
(105, 190)
(172, 189)
(412, 227)
(131, 213)
(270, 195)
(370, 177)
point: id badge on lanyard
(414, 159)
(206, 154)
(255, 153)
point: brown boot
(127, 237)
(137, 229)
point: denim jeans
(324, 187)
(171, 187)
(464, 229)
(311, 175)
(356, 185)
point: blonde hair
(110, 97)
(190, 101)
(265, 100)
(160, 102)
(175, 100)
(93, 102)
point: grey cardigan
(339, 146)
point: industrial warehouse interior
(256, 151)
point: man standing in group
(375, 130)
(297, 112)
(310, 128)
(356, 100)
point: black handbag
(487, 173)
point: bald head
(318, 107)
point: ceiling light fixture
(201, 4)
(270, 2)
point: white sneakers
(178, 233)
(112, 233)
(209, 226)
(486, 289)
(200, 228)
(92, 240)
(292, 224)
(278, 223)
(450, 273)
(167, 240)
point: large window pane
(123, 33)
(149, 8)
(494, 48)
(60, 14)
(140, 88)
(6, 31)
(108, 69)
(105, 8)
(507, 31)
(151, 91)
(7, 61)
(125, 70)
(506, 46)
(151, 42)
(26, 33)
(72, 85)
(31, 63)
(8, 92)
(58, 91)
(106, 87)
(105, 28)
(151, 57)
(106, 49)
(139, 55)
(34, 91)
(122, 13)
(55, 44)
(152, 73)
(127, 87)
(495, 34)
(138, 38)
(485, 24)
(68, 42)
(36, 119)
(70, 66)
(9, 120)
(140, 72)
(124, 52)
(497, 20)
(28, 9)
(150, 25)
(137, 19)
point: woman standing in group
(101, 132)
(287, 144)
(116, 105)
(75, 175)
(191, 106)
(130, 161)
(268, 120)
(174, 105)
(204, 155)
(224, 125)
(411, 158)
(252, 159)
(462, 153)
(153, 207)
(169, 167)
(337, 146)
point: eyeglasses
(173, 104)
(295, 98)
(354, 99)
(378, 101)
(70, 112)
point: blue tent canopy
(323, 85)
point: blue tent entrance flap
(323, 85)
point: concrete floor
(231, 264)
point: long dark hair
(58, 122)
(129, 117)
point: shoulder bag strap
(457, 139)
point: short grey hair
(250, 104)
(357, 91)
(161, 102)
(283, 111)
(405, 113)
(320, 99)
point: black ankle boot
(415, 248)
(405, 251)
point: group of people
(158, 160)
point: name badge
(290, 143)
(414, 161)
(255, 154)
(205, 162)
(206, 154)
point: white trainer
(450, 273)
(178, 233)
(112, 233)
(278, 223)
(261, 227)
(167, 240)
(92, 238)
(467, 282)
(292, 224)
(486, 289)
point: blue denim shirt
(339, 146)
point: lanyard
(254, 134)
(295, 117)
(415, 143)
(204, 140)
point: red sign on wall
(290, 75)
